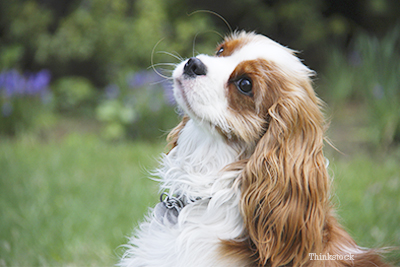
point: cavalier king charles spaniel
(246, 180)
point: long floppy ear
(285, 184)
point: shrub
(25, 101)
(381, 68)
(370, 74)
(74, 95)
(138, 105)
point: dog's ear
(173, 136)
(285, 184)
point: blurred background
(84, 112)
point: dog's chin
(181, 85)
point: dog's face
(233, 90)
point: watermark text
(330, 257)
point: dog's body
(246, 175)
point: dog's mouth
(181, 96)
(181, 93)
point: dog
(246, 180)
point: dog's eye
(245, 86)
(220, 51)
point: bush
(74, 95)
(370, 74)
(101, 38)
(138, 105)
(25, 101)
(95, 46)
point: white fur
(193, 168)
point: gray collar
(167, 210)
(171, 202)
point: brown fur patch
(173, 136)
(231, 44)
(250, 112)
(265, 80)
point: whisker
(165, 64)
(159, 73)
(152, 60)
(160, 81)
(160, 70)
(178, 57)
(195, 37)
(168, 73)
(194, 43)
(215, 14)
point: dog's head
(258, 94)
(237, 90)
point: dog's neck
(194, 167)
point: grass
(73, 201)
(368, 199)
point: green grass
(73, 201)
(367, 194)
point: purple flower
(37, 83)
(15, 84)
(12, 83)
(151, 78)
(142, 78)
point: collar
(171, 202)
(167, 211)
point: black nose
(194, 67)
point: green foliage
(28, 20)
(370, 75)
(108, 39)
(105, 40)
(382, 66)
(73, 94)
(105, 33)
(101, 42)
(116, 116)
(25, 102)
(10, 55)
(23, 22)
(137, 105)
(27, 114)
